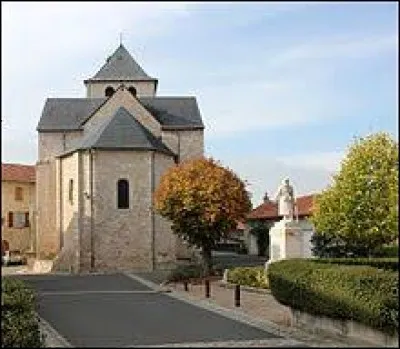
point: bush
(191, 271)
(361, 293)
(19, 323)
(382, 263)
(387, 251)
(248, 276)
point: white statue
(285, 199)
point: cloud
(309, 173)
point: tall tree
(359, 211)
(204, 201)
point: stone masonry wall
(191, 144)
(122, 237)
(68, 257)
(123, 98)
(46, 224)
(165, 240)
(143, 88)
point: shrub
(387, 251)
(248, 276)
(382, 263)
(361, 293)
(191, 271)
(19, 323)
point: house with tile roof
(100, 160)
(266, 214)
(18, 206)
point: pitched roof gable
(68, 114)
(18, 173)
(269, 210)
(121, 66)
(123, 131)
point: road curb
(52, 338)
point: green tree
(358, 212)
(204, 201)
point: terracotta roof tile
(269, 210)
(17, 172)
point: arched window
(123, 193)
(109, 91)
(132, 90)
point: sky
(283, 87)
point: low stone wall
(42, 266)
(346, 328)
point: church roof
(67, 114)
(122, 132)
(121, 66)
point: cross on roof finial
(120, 38)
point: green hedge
(248, 276)
(382, 263)
(191, 271)
(361, 293)
(19, 323)
(387, 251)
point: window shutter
(10, 219)
(26, 219)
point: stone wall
(68, 256)
(143, 88)
(165, 240)
(123, 98)
(48, 241)
(122, 237)
(191, 144)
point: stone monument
(288, 238)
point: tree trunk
(207, 260)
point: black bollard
(207, 288)
(237, 295)
(185, 285)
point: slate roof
(18, 173)
(121, 66)
(122, 132)
(174, 112)
(68, 114)
(269, 210)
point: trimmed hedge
(382, 263)
(361, 293)
(248, 276)
(19, 323)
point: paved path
(115, 310)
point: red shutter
(10, 219)
(26, 219)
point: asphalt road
(114, 311)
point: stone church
(100, 158)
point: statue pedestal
(289, 239)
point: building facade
(100, 159)
(266, 215)
(18, 206)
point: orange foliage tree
(204, 201)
